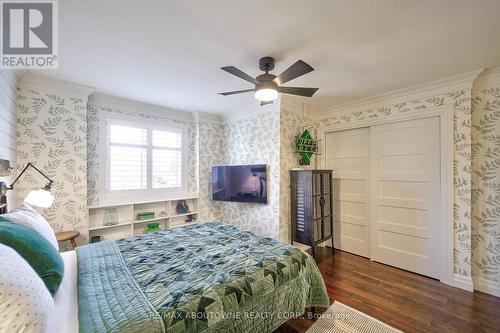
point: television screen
(241, 183)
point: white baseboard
(487, 286)
(462, 282)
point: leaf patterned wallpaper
(292, 123)
(52, 133)
(486, 183)
(256, 140)
(251, 140)
(94, 171)
(212, 153)
(265, 137)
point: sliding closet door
(347, 154)
(405, 194)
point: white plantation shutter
(143, 158)
(128, 160)
(128, 168)
(128, 135)
(167, 159)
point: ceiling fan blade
(236, 92)
(264, 102)
(300, 91)
(242, 75)
(298, 69)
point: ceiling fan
(268, 85)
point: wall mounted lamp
(41, 198)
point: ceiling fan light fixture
(266, 94)
(267, 85)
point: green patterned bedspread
(218, 278)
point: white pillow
(29, 217)
(25, 302)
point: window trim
(110, 197)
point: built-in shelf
(185, 214)
(152, 220)
(140, 202)
(165, 210)
(99, 227)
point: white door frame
(445, 235)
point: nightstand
(68, 236)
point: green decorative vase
(152, 227)
(95, 239)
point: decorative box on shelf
(132, 218)
(145, 216)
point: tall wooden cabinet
(311, 206)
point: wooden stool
(67, 236)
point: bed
(65, 318)
(206, 278)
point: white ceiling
(169, 52)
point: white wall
(8, 83)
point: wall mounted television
(240, 183)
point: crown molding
(119, 103)
(488, 78)
(251, 111)
(284, 102)
(434, 88)
(52, 85)
(201, 116)
(299, 107)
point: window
(143, 158)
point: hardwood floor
(407, 301)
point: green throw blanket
(207, 278)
